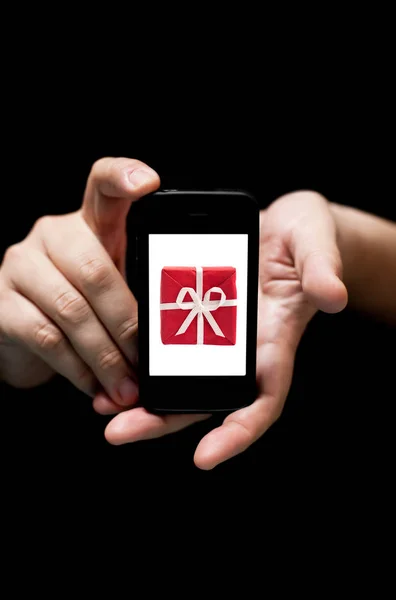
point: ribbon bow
(199, 307)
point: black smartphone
(197, 286)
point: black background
(332, 443)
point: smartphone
(197, 284)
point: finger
(243, 427)
(237, 433)
(103, 405)
(65, 306)
(77, 253)
(27, 325)
(313, 243)
(321, 283)
(113, 184)
(138, 424)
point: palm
(284, 308)
(283, 313)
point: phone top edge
(205, 191)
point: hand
(64, 304)
(300, 271)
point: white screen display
(198, 304)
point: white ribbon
(199, 307)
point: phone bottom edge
(194, 410)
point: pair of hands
(65, 306)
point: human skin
(65, 306)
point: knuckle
(85, 380)
(109, 358)
(106, 167)
(128, 329)
(246, 434)
(13, 253)
(276, 413)
(97, 166)
(306, 193)
(96, 273)
(304, 196)
(44, 224)
(71, 307)
(48, 338)
(271, 414)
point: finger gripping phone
(197, 284)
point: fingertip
(143, 179)
(132, 425)
(209, 450)
(127, 392)
(114, 431)
(204, 461)
(328, 294)
(323, 286)
(121, 178)
(338, 296)
(104, 405)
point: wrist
(367, 244)
(349, 243)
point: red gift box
(198, 305)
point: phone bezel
(191, 211)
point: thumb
(318, 260)
(322, 283)
(113, 184)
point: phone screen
(197, 304)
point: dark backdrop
(331, 442)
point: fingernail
(140, 177)
(127, 391)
